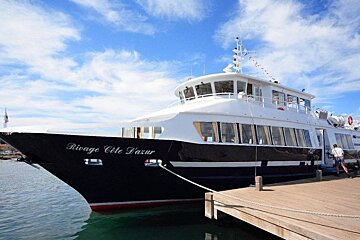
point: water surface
(36, 205)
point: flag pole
(6, 119)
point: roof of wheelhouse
(237, 76)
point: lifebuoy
(350, 120)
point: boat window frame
(276, 100)
(263, 133)
(237, 87)
(307, 137)
(233, 127)
(216, 85)
(293, 137)
(200, 95)
(300, 138)
(250, 139)
(281, 134)
(181, 95)
(191, 96)
(290, 101)
(198, 127)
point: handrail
(264, 101)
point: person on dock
(338, 154)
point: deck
(306, 209)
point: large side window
(247, 134)
(145, 132)
(307, 138)
(228, 131)
(207, 131)
(158, 131)
(338, 140)
(344, 141)
(277, 136)
(224, 87)
(319, 134)
(189, 93)
(290, 138)
(300, 137)
(263, 135)
(203, 89)
(350, 141)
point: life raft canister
(350, 120)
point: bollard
(319, 175)
(258, 183)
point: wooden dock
(307, 209)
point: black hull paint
(123, 177)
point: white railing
(263, 101)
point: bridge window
(207, 131)
(203, 89)
(241, 87)
(247, 134)
(290, 138)
(181, 95)
(189, 93)
(263, 135)
(228, 131)
(304, 104)
(224, 87)
(277, 136)
(292, 101)
(278, 98)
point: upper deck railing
(254, 99)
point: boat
(225, 129)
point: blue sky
(92, 61)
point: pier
(306, 209)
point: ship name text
(107, 149)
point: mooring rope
(260, 204)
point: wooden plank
(333, 196)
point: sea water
(36, 205)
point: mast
(238, 58)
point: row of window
(282, 99)
(142, 132)
(225, 87)
(252, 134)
(344, 141)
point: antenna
(238, 58)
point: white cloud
(117, 14)
(41, 84)
(132, 86)
(35, 36)
(191, 10)
(299, 48)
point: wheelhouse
(243, 87)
